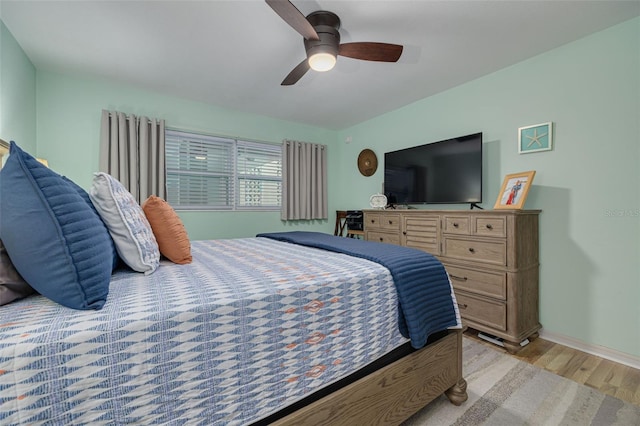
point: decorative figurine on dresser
(491, 258)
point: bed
(253, 331)
(283, 328)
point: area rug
(505, 391)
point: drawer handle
(472, 250)
(404, 232)
(462, 306)
(390, 222)
(459, 278)
(455, 224)
(489, 226)
(373, 221)
(381, 239)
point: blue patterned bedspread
(251, 326)
(426, 303)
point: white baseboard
(597, 350)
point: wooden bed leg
(457, 393)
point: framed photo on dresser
(514, 191)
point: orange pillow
(168, 229)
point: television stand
(475, 205)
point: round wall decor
(367, 162)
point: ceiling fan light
(322, 61)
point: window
(215, 173)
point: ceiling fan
(322, 41)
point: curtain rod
(126, 116)
(288, 142)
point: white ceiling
(235, 53)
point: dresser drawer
(486, 251)
(422, 233)
(457, 225)
(389, 222)
(487, 312)
(490, 226)
(372, 221)
(493, 284)
(383, 237)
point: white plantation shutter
(215, 173)
(259, 175)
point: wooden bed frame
(395, 392)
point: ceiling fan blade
(369, 51)
(294, 17)
(296, 74)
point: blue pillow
(54, 239)
(85, 195)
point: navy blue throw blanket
(424, 292)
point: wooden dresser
(490, 255)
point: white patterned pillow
(126, 222)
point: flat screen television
(444, 172)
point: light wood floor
(607, 376)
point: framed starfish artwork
(536, 138)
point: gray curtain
(304, 181)
(132, 151)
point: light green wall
(587, 187)
(69, 109)
(17, 93)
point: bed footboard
(394, 393)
